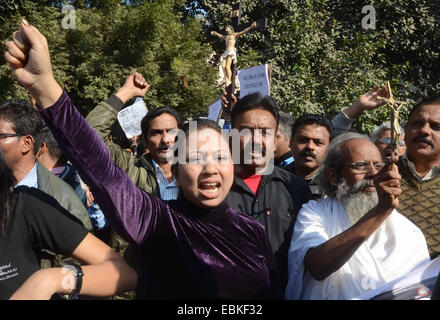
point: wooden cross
(238, 27)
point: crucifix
(394, 107)
(228, 59)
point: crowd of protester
(319, 211)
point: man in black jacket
(271, 195)
(283, 155)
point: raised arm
(214, 33)
(368, 101)
(131, 212)
(330, 256)
(252, 26)
(104, 115)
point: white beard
(355, 202)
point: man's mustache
(423, 139)
(255, 148)
(163, 147)
(362, 185)
(308, 153)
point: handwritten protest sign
(130, 118)
(253, 80)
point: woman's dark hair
(154, 113)
(7, 182)
(202, 124)
(310, 118)
(252, 102)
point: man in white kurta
(394, 248)
(395, 251)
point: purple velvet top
(184, 252)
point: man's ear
(27, 144)
(332, 176)
(41, 150)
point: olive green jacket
(138, 168)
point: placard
(130, 118)
(255, 79)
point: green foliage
(112, 40)
(322, 58)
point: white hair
(381, 128)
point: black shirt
(279, 197)
(37, 222)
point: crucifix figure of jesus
(394, 107)
(230, 55)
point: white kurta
(399, 249)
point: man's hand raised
(387, 183)
(370, 101)
(134, 86)
(29, 58)
(367, 101)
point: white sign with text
(255, 79)
(130, 118)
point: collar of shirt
(168, 190)
(31, 179)
(284, 160)
(434, 172)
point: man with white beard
(354, 240)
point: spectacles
(364, 166)
(9, 135)
(388, 141)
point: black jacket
(279, 197)
(317, 192)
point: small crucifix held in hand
(394, 107)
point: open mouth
(209, 189)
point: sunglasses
(9, 135)
(388, 141)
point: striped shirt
(168, 190)
(31, 179)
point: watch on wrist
(78, 275)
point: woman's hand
(29, 58)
